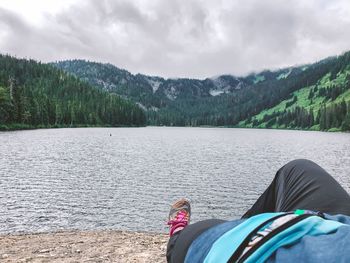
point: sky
(177, 38)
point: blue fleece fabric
(226, 245)
(331, 247)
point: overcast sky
(177, 38)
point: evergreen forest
(37, 95)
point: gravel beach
(89, 246)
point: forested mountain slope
(152, 92)
(269, 99)
(320, 105)
(177, 101)
(39, 95)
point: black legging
(300, 184)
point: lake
(126, 178)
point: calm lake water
(86, 179)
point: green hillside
(36, 95)
(322, 106)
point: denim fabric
(201, 246)
(334, 247)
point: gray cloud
(191, 38)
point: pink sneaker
(179, 215)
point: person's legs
(302, 184)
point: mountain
(171, 101)
(318, 105)
(151, 91)
(33, 94)
(269, 99)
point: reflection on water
(86, 179)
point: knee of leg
(298, 164)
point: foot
(179, 215)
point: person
(303, 216)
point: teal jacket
(310, 238)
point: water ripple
(86, 179)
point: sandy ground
(94, 246)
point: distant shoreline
(19, 127)
(72, 246)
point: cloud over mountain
(176, 38)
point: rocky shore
(87, 246)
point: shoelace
(179, 221)
(180, 218)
